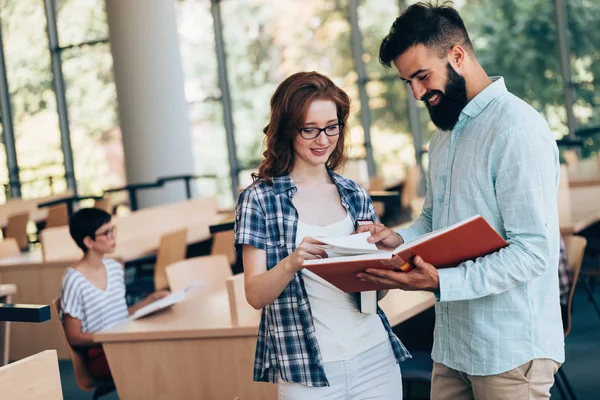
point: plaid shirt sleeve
(250, 221)
(564, 278)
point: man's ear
(456, 57)
(88, 242)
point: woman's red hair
(289, 106)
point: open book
(164, 303)
(466, 240)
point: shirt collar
(483, 98)
(283, 183)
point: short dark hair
(86, 222)
(437, 26)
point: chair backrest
(223, 244)
(212, 270)
(105, 204)
(238, 305)
(564, 197)
(9, 248)
(16, 228)
(82, 376)
(58, 215)
(172, 248)
(35, 377)
(377, 183)
(410, 188)
(57, 245)
(575, 248)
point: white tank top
(342, 330)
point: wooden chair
(82, 376)
(33, 378)
(172, 248)
(410, 191)
(16, 228)
(575, 247)
(57, 245)
(223, 244)
(105, 204)
(239, 308)
(58, 215)
(9, 248)
(212, 270)
(377, 183)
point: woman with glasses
(93, 289)
(313, 340)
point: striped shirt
(97, 309)
(287, 344)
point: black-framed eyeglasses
(310, 133)
(110, 233)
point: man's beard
(445, 114)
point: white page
(357, 241)
(165, 302)
(348, 245)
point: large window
(35, 118)
(197, 43)
(3, 171)
(266, 41)
(86, 62)
(93, 120)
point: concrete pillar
(150, 90)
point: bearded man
(498, 331)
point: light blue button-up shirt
(499, 161)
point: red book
(444, 248)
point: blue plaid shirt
(267, 220)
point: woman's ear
(88, 242)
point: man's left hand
(423, 276)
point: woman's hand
(306, 250)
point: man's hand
(423, 276)
(384, 238)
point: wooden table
(6, 293)
(36, 283)
(581, 208)
(138, 234)
(194, 351)
(17, 206)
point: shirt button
(449, 166)
(446, 202)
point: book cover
(444, 248)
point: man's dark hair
(86, 222)
(437, 26)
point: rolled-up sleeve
(250, 221)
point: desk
(584, 205)
(139, 233)
(16, 206)
(194, 351)
(6, 292)
(36, 283)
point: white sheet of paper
(353, 242)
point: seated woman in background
(313, 341)
(93, 290)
